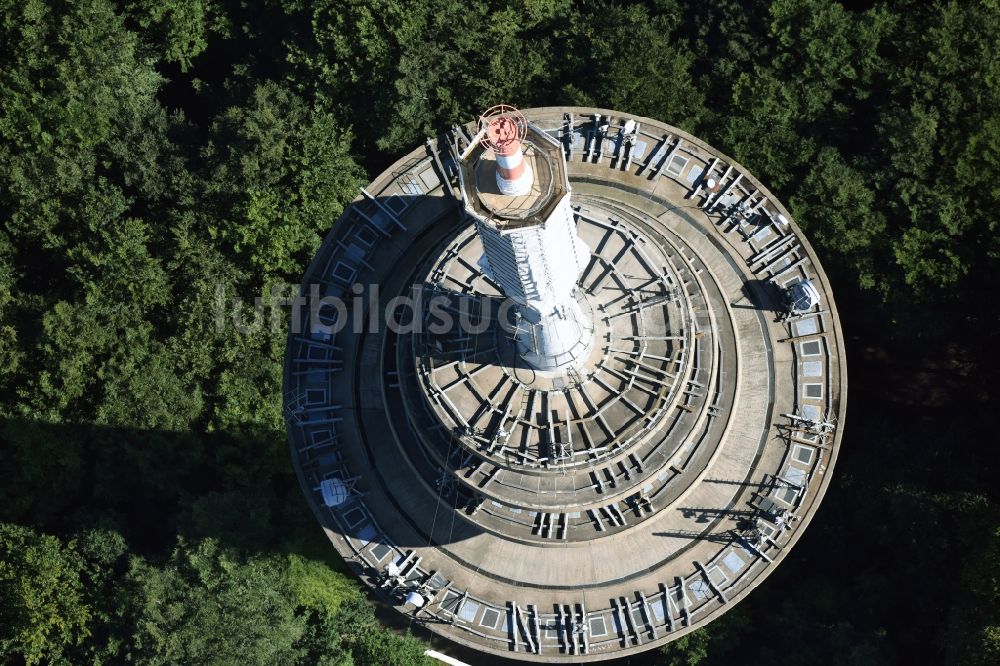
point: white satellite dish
(393, 569)
(335, 491)
(801, 297)
(415, 599)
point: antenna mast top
(505, 128)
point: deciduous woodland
(155, 154)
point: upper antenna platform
(505, 128)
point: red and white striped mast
(503, 129)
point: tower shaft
(538, 267)
(515, 186)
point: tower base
(561, 339)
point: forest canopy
(154, 154)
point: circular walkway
(574, 516)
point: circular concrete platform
(573, 515)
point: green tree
(412, 69)
(279, 174)
(76, 93)
(371, 645)
(937, 132)
(181, 28)
(42, 606)
(317, 586)
(205, 606)
(634, 60)
(836, 206)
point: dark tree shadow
(236, 487)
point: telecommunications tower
(627, 434)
